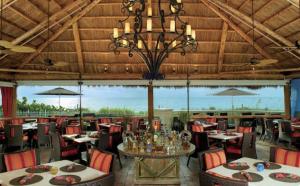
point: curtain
(7, 100)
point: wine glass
(53, 171)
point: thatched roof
(81, 34)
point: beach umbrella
(59, 92)
(233, 92)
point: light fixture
(151, 43)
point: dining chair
(43, 133)
(73, 129)
(286, 133)
(271, 130)
(42, 120)
(21, 159)
(222, 125)
(285, 156)
(197, 128)
(260, 127)
(62, 150)
(17, 121)
(2, 133)
(246, 149)
(201, 142)
(212, 179)
(115, 138)
(103, 141)
(211, 158)
(14, 136)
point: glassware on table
(53, 170)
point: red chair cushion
(17, 121)
(244, 129)
(70, 152)
(214, 159)
(295, 135)
(197, 128)
(287, 157)
(20, 160)
(42, 120)
(233, 150)
(211, 120)
(73, 129)
(62, 142)
(101, 161)
(115, 128)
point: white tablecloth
(85, 175)
(221, 136)
(267, 181)
(82, 139)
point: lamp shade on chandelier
(140, 34)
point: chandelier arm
(148, 51)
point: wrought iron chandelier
(179, 36)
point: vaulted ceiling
(80, 35)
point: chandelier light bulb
(194, 34)
(149, 24)
(115, 33)
(174, 44)
(178, 1)
(127, 28)
(125, 43)
(149, 12)
(140, 44)
(172, 26)
(173, 10)
(188, 30)
(130, 8)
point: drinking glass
(53, 170)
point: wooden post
(150, 103)
(14, 103)
(287, 101)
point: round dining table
(157, 167)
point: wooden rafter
(78, 47)
(60, 31)
(259, 49)
(222, 47)
(258, 25)
(35, 71)
(7, 3)
(295, 3)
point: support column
(14, 102)
(150, 103)
(287, 100)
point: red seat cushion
(295, 135)
(70, 152)
(233, 150)
(42, 120)
(214, 159)
(115, 128)
(101, 161)
(73, 129)
(20, 160)
(197, 128)
(287, 157)
(244, 129)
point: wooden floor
(188, 175)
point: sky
(96, 97)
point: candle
(149, 24)
(158, 47)
(127, 28)
(194, 34)
(174, 44)
(140, 44)
(188, 30)
(172, 26)
(125, 43)
(149, 12)
(130, 9)
(115, 33)
(178, 1)
(173, 10)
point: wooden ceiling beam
(258, 25)
(222, 47)
(263, 71)
(107, 52)
(259, 49)
(295, 3)
(35, 71)
(135, 76)
(60, 31)
(154, 29)
(7, 3)
(243, 4)
(78, 47)
(108, 40)
(43, 24)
